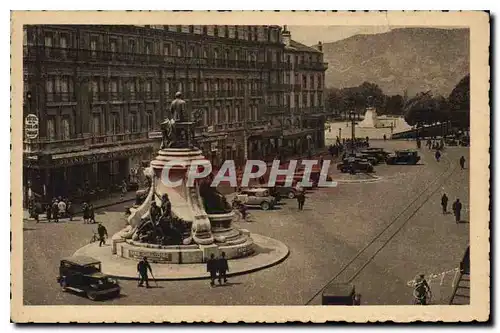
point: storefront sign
(31, 126)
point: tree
(424, 109)
(394, 105)
(459, 103)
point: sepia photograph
(318, 166)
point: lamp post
(352, 118)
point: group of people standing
(217, 268)
(58, 208)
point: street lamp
(352, 118)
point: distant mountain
(412, 59)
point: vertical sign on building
(31, 126)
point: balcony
(34, 53)
(277, 109)
(95, 141)
(315, 66)
(280, 87)
(65, 97)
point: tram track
(350, 270)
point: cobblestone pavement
(323, 239)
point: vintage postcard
(250, 166)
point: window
(48, 40)
(51, 128)
(312, 82)
(304, 99)
(179, 28)
(131, 88)
(319, 82)
(133, 122)
(96, 124)
(93, 47)
(191, 28)
(180, 86)
(131, 46)
(205, 86)
(179, 51)
(226, 31)
(206, 117)
(304, 82)
(113, 85)
(216, 31)
(205, 53)
(297, 103)
(191, 52)
(63, 41)
(255, 113)
(205, 30)
(313, 100)
(287, 78)
(149, 121)
(25, 36)
(320, 98)
(237, 114)
(65, 128)
(166, 50)
(166, 88)
(147, 47)
(95, 88)
(112, 45)
(192, 86)
(115, 123)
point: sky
(311, 35)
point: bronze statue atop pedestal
(177, 130)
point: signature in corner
(433, 277)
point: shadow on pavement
(229, 284)
(463, 222)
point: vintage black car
(403, 157)
(354, 164)
(286, 192)
(372, 159)
(83, 275)
(379, 153)
(340, 294)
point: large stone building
(99, 91)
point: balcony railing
(110, 96)
(61, 97)
(277, 109)
(280, 87)
(33, 52)
(96, 140)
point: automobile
(403, 157)
(260, 197)
(83, 275)
(451, 142)
(354, 164)
(373, 160)
(379, 153)
(287, 192)
(340, 294)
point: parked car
(287, 192)
(340, 294)
(403, 157)
(353, 165)
(379, 153)
(373, 160)
(83, 275)
(260, 197)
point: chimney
(287, 37)
(320, 46)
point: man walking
(444, 203)
(462, 162)
(457, 208)
(437, 155)
(143, 267)
(301, 198)
(103, 233)
(61, 205)
(212, 269)
(55, 211)
(222, 267)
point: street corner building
(95, 95)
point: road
(325, 240)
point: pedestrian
(124, 188)
(457, 208)
(69, 210)
(103, 233)
(444, 203)
(55, 211)
(385, 137)
(212, 269)
(437, 155)
(91, 214)
(301, 198)
(37, 209)
(222, 268)
(48, 212)
(462, 162)
(142, 268)
(61, 205)
(86, 213)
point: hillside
(416, 59)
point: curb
(197, 276)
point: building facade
(99, 91)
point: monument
(370, 120)
(180, 224)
